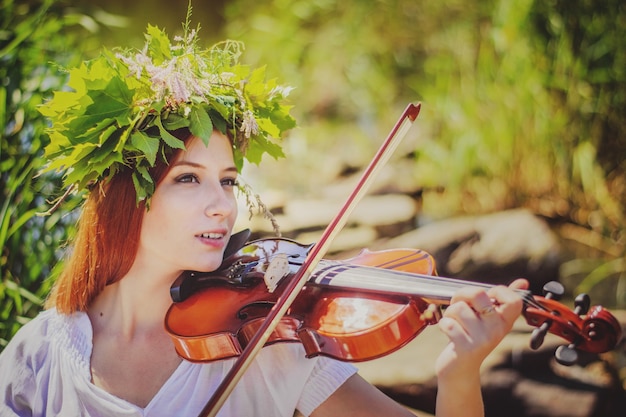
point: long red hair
(106, 241)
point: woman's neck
(135, 305)
(132, 355)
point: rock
(516, 380)
(494, 248)
(345, 241)
(306, 219)
(531, 384)
(538, 387)
(371, 210)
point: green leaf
(279, 116)
(218, 122)
(256, 85)
(145, 174)
(61, 101)
(78, 152)
(114, 101)
(168, 138)
(139, 188)
(258, 146)
(175, 122)
(104, 158)
(268, 126)
(144, 186)
(106, 134)
(58, 145)
(149, 145)
(201, 125)
(158, 44)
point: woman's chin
(206, 266)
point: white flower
(280, 90)
(137, 63)
(249, 126)
(178, 88)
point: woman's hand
(475, 322)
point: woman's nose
(220, 203)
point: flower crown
(123, 107)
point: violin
(352, 310)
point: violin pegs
(582, 303)
(538, 335)
(566, 355)
(591, 332)
(553, 290)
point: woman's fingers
(475, 322)
(477, 319)
(519, 284)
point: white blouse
(45, 371)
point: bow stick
(318, 251)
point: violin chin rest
(236, 242)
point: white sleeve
(19, 364)
(327, 376)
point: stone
(493, 248)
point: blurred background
(523, 107)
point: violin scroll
(590, 329)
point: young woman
(100, 348)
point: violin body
(217, 321)
(352, 310)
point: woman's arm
(475, 322)
(358, 398)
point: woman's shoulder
(36, 330)
(50, 330)
(41, 362)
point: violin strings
(379, 279)
(383, 278)
(529, 300)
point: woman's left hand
(475, 322)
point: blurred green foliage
(32, 36)
(524, 100)
(516, 93)
(524, 106)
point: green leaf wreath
(121, 108)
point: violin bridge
(432, 314)
(277, 269)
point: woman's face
(193, 209)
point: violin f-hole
(242, 313)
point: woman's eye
(187, 178)
(230, 182)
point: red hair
(106, 241)
(104, 246)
